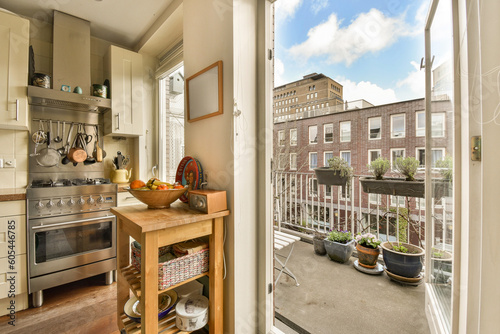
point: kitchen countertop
(12, 194)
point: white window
(308, 96)
(436, 155)
(346, 155)
(293, 137)
(328, 132)
(375, 198)
(398, 126)
(373, 155)
(374, 128)
(343, 191)
(313, 187)
(345, 131)
(313, 134)
(316, 95)
(281, 137)
(293, 161)
(327, 156)
(420, 124)
(437, 128)
(296, 99)
(313, 160)
(398, 201)
(282, 161)
(322, 105)
(396, 153)
(420, 155)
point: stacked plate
(166, 302)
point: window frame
(369, 128)
(392, 126)
(417, 128)
(324, 157)
(350, 156)
(309, 162)
(281, 141)
(374, 150)
(292, 143)
(340, 131)
(392, 161)
(291, 165)
(444, 124)
(324, 133)
(309, 132)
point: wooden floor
(87, 306)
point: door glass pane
(440, 247)
(70, 241)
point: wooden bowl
(157, 199)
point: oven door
(71, 241)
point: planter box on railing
(330, 177)
(393, 186)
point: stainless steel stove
(71, 232)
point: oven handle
(39, 227)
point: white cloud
(286, 8)
(318, 5)
(415, 81)
(368, 33)
(367, 91)
(279, 70)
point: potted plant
(409, 186)
(368, 250)
(319, 245)
(403, 259)
(339, 246)
(337, 174)
(443, 187)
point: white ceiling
(121, 22)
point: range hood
(38, 96)
(71, 66)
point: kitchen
(196, 25)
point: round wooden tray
(189, 173)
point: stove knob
(39, 206)
(91, 200)
(100, 200)
(60, 203)
(71, 202)
(81, 201)
(50, 204)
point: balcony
(334, 295)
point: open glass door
(439, 129)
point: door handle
(118, 121)
(39, 227)
(17, 110)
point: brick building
(313, 92)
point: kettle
(121, 175)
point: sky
(371, 47)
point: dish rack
(176, 270)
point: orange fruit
(136, 184)
(178, 186)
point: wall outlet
(9, 163)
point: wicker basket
(177, 270)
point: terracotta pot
(367, 256)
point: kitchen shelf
(133, 277)
(46, 97)
(165, 325)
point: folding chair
(282, 240)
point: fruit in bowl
(155, 193)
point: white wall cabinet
(13, 256)
(124, 70)
(14, 46)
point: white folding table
(282, 240)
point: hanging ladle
(58, 138)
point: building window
(398, 126)
(343, 191)
(345, 131)
(313, 134)
(374, 128)
(307, 96)
(346, 155)
(398, 201)
(313, 187)
(327, 156)
(420, 155)
(281, 137)
(420, 124)
(437, 128)
(293, 137)
(375, 199)
(293, 161)
(296, 99)
(396, 153)
(373, 155)
(313, 160)
(314, 87)
(315, 95)
(282, 161)
(328, 131)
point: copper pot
(77, 154)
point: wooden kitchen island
(153, 229)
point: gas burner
(96, 181)
(39, 183)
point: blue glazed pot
(403, 264)
(339, 252)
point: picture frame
(204, 93)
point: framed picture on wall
(204, 93)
